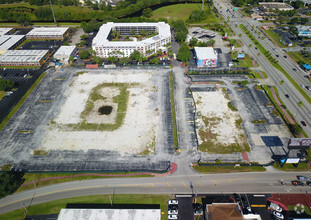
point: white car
(172, 217)
(172, 212)
(173, 202)
(277, 215)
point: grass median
(21, 101)
(173, 111)
(275, 64)
(55, 206)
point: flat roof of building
(65, 50)
(111, 214)
(4, 31)
(48, 31)
(23, 55)
(275, 5)
(100, 39)
(303, 28)
(203, 53)
(7, 41)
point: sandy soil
(214, 105)
(140, 123)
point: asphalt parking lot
(41, 45)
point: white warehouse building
(105, 47)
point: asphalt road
(302, 113)
(268, 182)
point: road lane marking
(169, 185)
(185, 185)
(258, 205)
(229, 180)
(200, 184)
(215, 182)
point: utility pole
(53, 12)
(202, 5)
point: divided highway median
(274, 62)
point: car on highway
(304, 124)
(172, 212)
(302, 86)
(308, 88)
(287, 96)
(172, 217)
(277, 55)
(255, 48)
(278, 215)
(294, 69)
(297, 183)
(285, 56)
(308, 183)
(173, 202)
(303, 178)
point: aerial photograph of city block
(155, 109)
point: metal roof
(7, 41)
(23, 55)
(47, 31)
(111, 214)
(4, 31)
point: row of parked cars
(172, 209)
(301, 180)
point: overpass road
(302, 113)
(267, 182)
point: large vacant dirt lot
(130, 127)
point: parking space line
(189, 121)
(263, 206)
(185, 185)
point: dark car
(308, 183)
(285, 56)
(256, 48)
(304, 124)
(172, 207)
(294, 69)
(303, 178)
(308, 88)
(287, 96)
(197, 206)
(277, 55)
(297, 183)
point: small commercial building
(24, 57)
(304, 31)
(4, 31)
(63, 53)
(206, 56)
(10, 42)
(275, 5)
(57, 33)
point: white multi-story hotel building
(104, 47)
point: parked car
(302, 86)
(294, 69)
(308, 183)
(277, 215)
(277, 55)
(304, 124)
(308, 88)
(172, 217)
(285, 56)
(173, 207)
(197, 206)
(297, 183)
(287, 96)
(198, 212)
(172, 212)
(275, 207)
(173, 202)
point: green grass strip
(275, 64)
(57, 205)
(20, 102)
(228, 169)
(173, 111)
